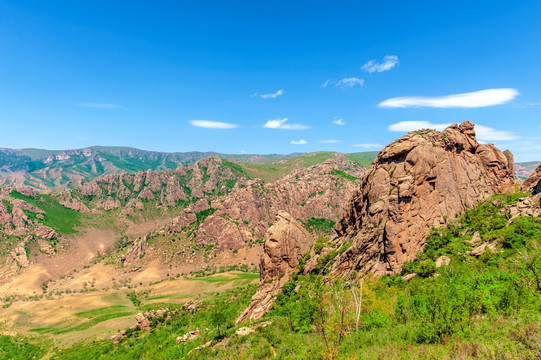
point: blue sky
(267, 77)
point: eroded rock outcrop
(416, 183)
(286, 242)
(533, 183)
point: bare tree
(358, 301)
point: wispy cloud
(324, 85)
(99, 106)
(483, 133)
(350, 82)
(208, 124)
(281, 124)
(474, 99)
(407, 126)
(533, 103)
(368, 146)
(299, 142)
(330, 141)
(389, 62)
(489, 134)
(272, 95)
(339, 122)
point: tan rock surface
(533, 183)
(286, 242)
(416, 183)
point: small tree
(333, 318)
(358, 302)
(218, 318)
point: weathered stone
(416, 183)
(443, 261)
(408, 277)
(286, 242)
(19, 255)
(533, 183)
(142, 321)
(189, 336)
(45, 232)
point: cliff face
(416, 183)
(243, 215)
(533, 183)
(286, 242)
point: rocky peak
(533, 183)
(286, 241)
(416, 183)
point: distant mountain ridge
(44, 169)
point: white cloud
(339, 122)
(368, 146)
(533, 103)
(474, 99)
(272, 95)
(330, 141)
(212, 124)
(407, 126)
(388, 63)
(299, 142)
(483, 133)
(324, 85)
(280, 124)
(350, 82)
(100, 106)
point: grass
(56, 216)
(363, 158)
(272, 171)
(19, 348)
(344, 175)
(319, 225)
(94, 317)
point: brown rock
(482, 248)
(443, 261)
(533, 183)
(45, 232)
(527, 206)
(45, 247)
(416, 183)
(19, 255)
(189, 336)
(75, 204)
(142, 321)
(286, 242)
(26, 190)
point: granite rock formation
(533, 183)
(416, 183)
(286, 242)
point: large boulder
(286, 241)
(533, 183)
(417, 182)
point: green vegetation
(486, 306)
(319, 225)
(363, 158)
(344, 175)
(272, 171)
(92, 318)
(17, 348)
(56, 216)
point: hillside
(46, 169)
(196, 219)
(405, 259)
